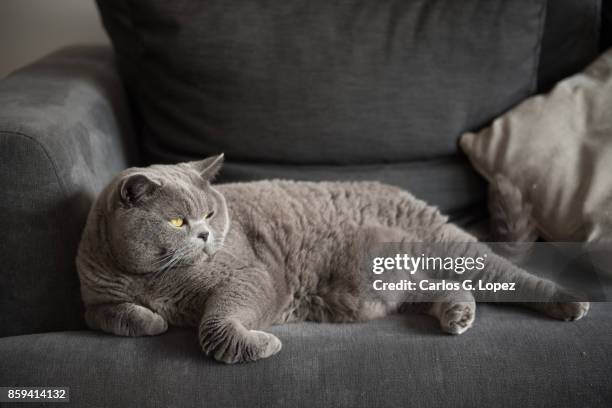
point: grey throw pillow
(558, 149)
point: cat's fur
(276, 251)
(512, 224)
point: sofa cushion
(320, 82)
(570, 38)
(557, 149)
(318, 90)
(394, 362)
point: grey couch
(67, 126)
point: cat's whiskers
(176, 258)
(164, 258)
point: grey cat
(164, 246)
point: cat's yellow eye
(177, 222)
(210, 214)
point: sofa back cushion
(318, 81)
(303, 83)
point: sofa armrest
(64, 132)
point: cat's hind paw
(567, 305)
(458, 317)
(568, 311)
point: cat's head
(164, 216)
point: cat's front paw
(255, 346)
(230, 345)
(269, 344)
(125, 319)
(145, 322)
(156, 325)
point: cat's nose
(203, 236)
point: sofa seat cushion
(397, 361)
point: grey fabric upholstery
(320, 82)
(510, 358)
(64, 132)
(570, 40)
(373, 91)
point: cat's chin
(208, 254)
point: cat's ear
(135, 189)
(209, 167)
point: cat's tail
(512, 224)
